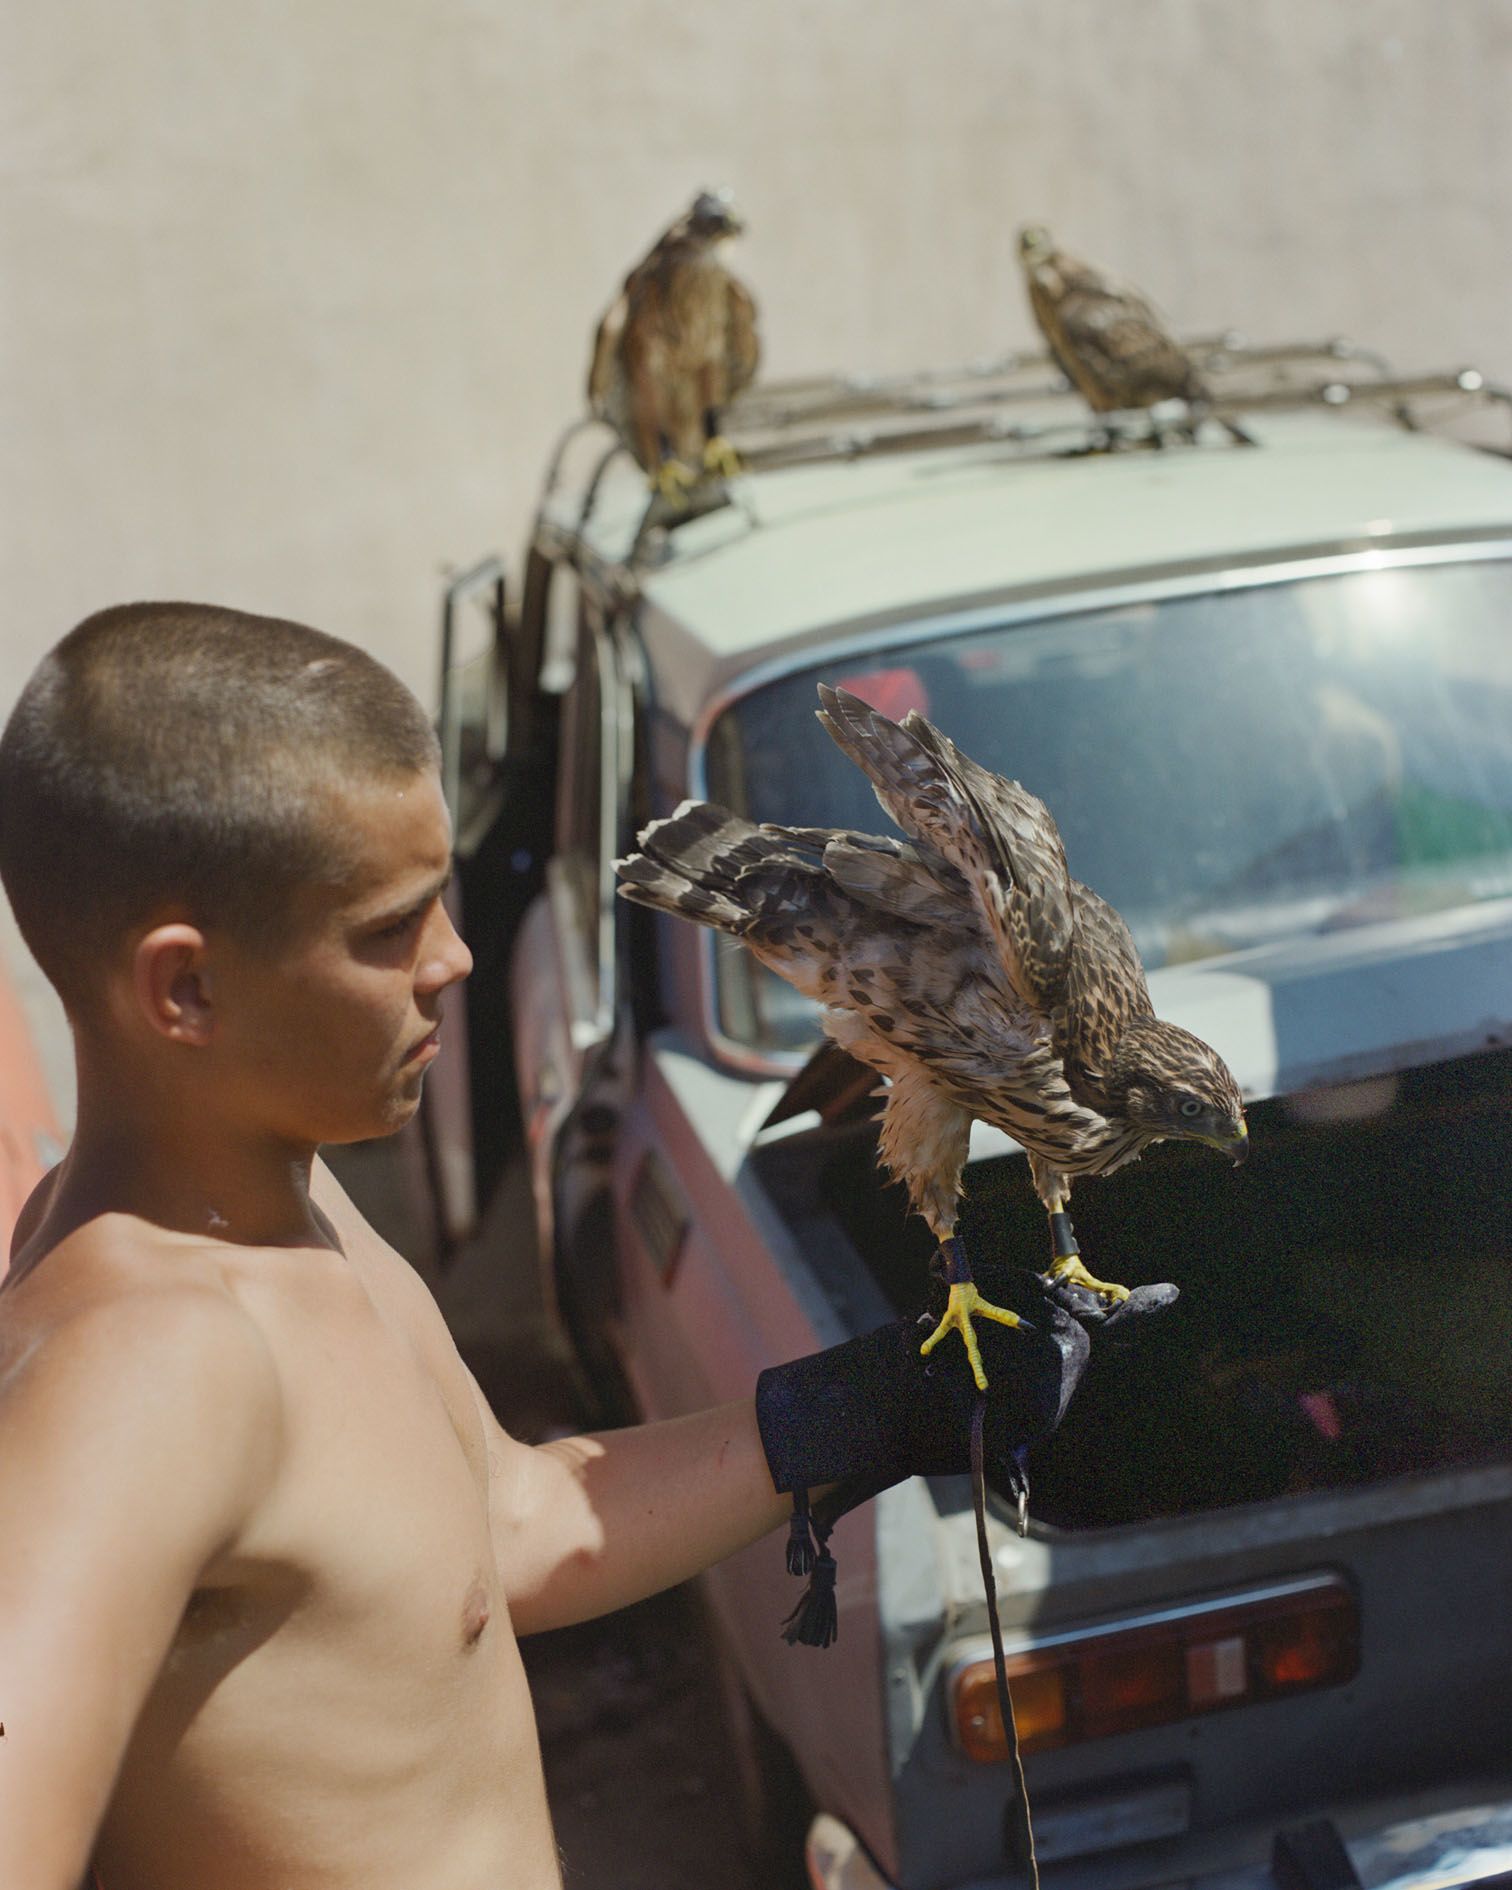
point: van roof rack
(820, 419)
(779, 404)
(1076, 434)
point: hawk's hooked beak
(1235, 1144)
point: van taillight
(1231, 1651)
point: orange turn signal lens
(1230, 1651)
(1038, 1691)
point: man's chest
(370, 1565)
(383, 1498)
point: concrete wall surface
(294, 294)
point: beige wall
(295, 293)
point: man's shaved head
(179, 760)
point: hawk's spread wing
(920, 996)
(997, 835)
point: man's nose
(446, 959)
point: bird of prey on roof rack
(1107, 339)
(675, 349)
(967, 967)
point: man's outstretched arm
(591, 1523)
(137, 1433)
(587, 1524)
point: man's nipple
(475, 1613)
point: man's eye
(398, 927)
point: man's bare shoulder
(116, 1311)
(113, 1256)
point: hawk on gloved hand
(1106, 338)
(963, 964)
(676, 348)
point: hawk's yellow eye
(1190, 1106)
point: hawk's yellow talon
(673, 480)
(966, 1302)
(1069, 1271)
(720, 457)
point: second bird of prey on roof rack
(675, 349)
(967, 967)
(1106, 338)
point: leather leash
(1021, 1827)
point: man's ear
(171, 983)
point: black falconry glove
(865, 1415)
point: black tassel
(815, 1622)
(800, 1544)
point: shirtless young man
(264, 1552)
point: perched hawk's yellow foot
(965, 1301)
(720, 457)
(1069, 1269)
(672, 480)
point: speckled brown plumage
(678, 344)
(1108, 340)
(963, 963)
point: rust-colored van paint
(29, 1136)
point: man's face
(328, 1037)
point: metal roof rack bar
(548, 531)
(1399, 395)
(1467, 382)
(559, 451)
(1082, 435)
(859, 403)
(872, 442)
(1235, 352)
(776, 405)
(1227, 341)
(820, 386)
